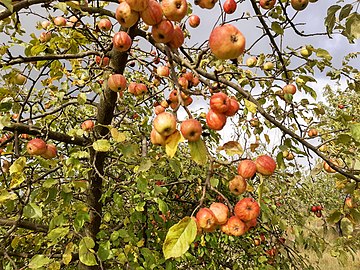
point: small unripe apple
(45, 24)
(20, 79)
(229, 6)
(265, 165)
(289, 89)
(50, 152)
(60, 21)
(87, 125)
(251, 61)
(191, 130)
(246, 168)
(36, 147)
(305, 52)
(237, 185)
(117, 82)
(104, 25)
(268, 66)
(194, 21)
(165, 123)
(247, 209)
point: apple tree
(175, 134)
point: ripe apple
(60, 21)
(177, 39)
(251, 61)
(45, 24)
(36, 147)
(313, 208)
(225, 228)
(229, 6)
(174, 10)
(163, 71)
(206, 218)
(121, 41)
(159, 109)
(349, 203)
(265, 165)
(268, 66)
(102, 62)
(246, 168)
(227, 42)
(313, 132)
(156, 138)
(45, 37)
(125, 15)
(163, 32)
(319, 208)
(189, 76)
(20, 79)
(267, 4)
(250, 224)
(140, 89)
(104, 25)
(165, 123)
(247, 209)
(87, 125)
(257, 242)
(117, 82)
(237, 185)
(236, 226)
(184, 83)
(195, 81)
(152, 15)
(215, 121)
(341, 106)
(138, 5)
(233, 108)
(50, 152)
(208, 4)
(219, 102)
(327, 167)
(164, 103)
(191, 130)
(220, 211)
(194, 21)
(289, 89)
(299, 4)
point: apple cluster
(298, 5)
(38, 147)
(316, 209)
(245, 216)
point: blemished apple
(267, 4)
(225, 228)
(247, 209)
(191, 130)
(125, 15)
(194, 21)
(152, 15)
(299, 4)
(50, 152)
(313, 132)
(165, 123)
(138, 5)
(251, 61)
(36, 147)
(268, 66)
(87, 125)
(177, 39)
(289, 89)
(237, 185)
(163, 71)
(156, 138)
(163, 32)
(20, 79)
(206, 218)
(60, 21)
(220, 211)
(104, 25)
(174, 10)
(236, 226)
(208, 4)
(215, 121)
(246, 168)
(265, 165)
(117, 82)
(219, 102)
(229, 6)
(45, 37)
(226, 42)
(122, 41)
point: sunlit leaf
(117, 136)
(86, 252)
(101, 145)
(198, 152)
(172, 143)
(38, 261)
(250, 106)
(232, 148)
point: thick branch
(20, 5)
(24, 224)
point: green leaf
(8, 4)
(198, 152)
(355, 131)
(57, 234)
(322, 53)
(334, 217)
(101, 145)
(345, 11)
(67, 256)
(162, 206)
(38, 261)
(179, 238)
(81, 98)
(276, 27)
(5, 196)
(145, 165)
(32, 210)
(86, 252)
(346, 226)
(330, 17)
(104, 251)
(250, 106)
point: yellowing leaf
(198, 152)
(172, 143)
(18, 165)
(346, 226)
(86, 252)
(232, 148)
(179, 238)
(17, 179)
(250, 106)
(118, 136)
(38, 261)
(5, 195)
(67, 256)
(101, 145)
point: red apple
(87, 125)
(327, 167)
(152, 15)
(117, 82)
(50, 152)
(45, 37)
(246, 168)
(265, 165)
(184, 83)
(194, 21)
(173, 97)
(163, 71)
(191, 130)
(195, 81)
(206, 218)
(125, 15)
(313, 208)
(121, 41)
(159, 109)
(174, 10)
(219, 102)
(220, 211)
(138, 5)
(237, 185)
(250, 224)
(156, 138)
(102, 62)
(60, 21)
(36, 147)
(233, 108)
(236, 226)
(267, 4)
(215, 121)
(189, 76)
(177, 39)
(227, 42)
(165, 123)
(225, 228)
(247, 209)
(163, 32)
(229, 6)
(104, 25)
(299, 4)
(208, 4)
(289, 89)
(140, 89)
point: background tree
(100, 170)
